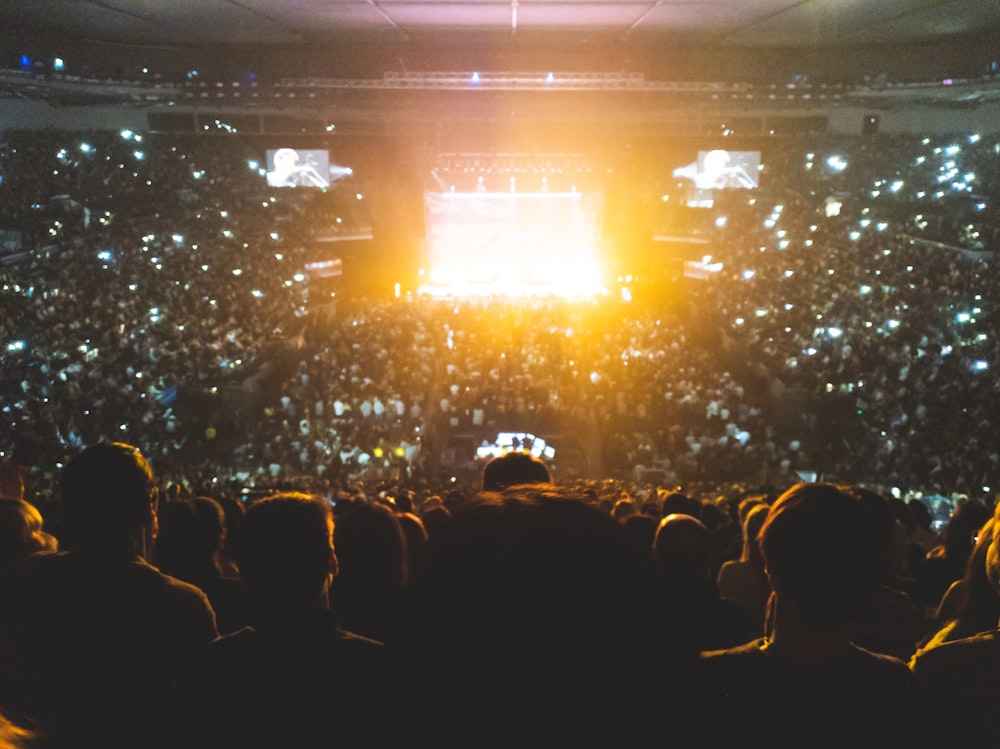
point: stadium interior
(499, 373)
(610, 153)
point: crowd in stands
(154, 292)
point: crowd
(152, 620)
(154, 293)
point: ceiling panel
(613, 15)
(322, 15)
(444, 14)
(720, 15)
(76, 19)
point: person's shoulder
(234, 645)
(989, 640)
(46, 560)
(731, 568)
(170, 585)
(870, 656)
(360, 642)
(752, 649)
(226, 589)
(881, 666)
(724, 665)
(326, 628)
(175, 598)
(959, 684)
(890, 596)
(975, 652)
(41, 575)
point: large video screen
(298, 167)
(720, 169)
(513, 241)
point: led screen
(291, 167)
(721, 169)
(513, 240)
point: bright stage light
(513, 244)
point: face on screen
(720, 169)
(290, 167)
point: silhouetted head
(679, 503)
(285, 549)
(993, 549)
(191, 533)
(957, 537)
(624, 508)
(683, 549)
(751, 533)
(21, 533)
(512, 469)
(371, 548)
(820, 553)
(210, 523)
(434, 518)
(109, 499)
(416, 538)
(176, 529)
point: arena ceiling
(681, 40)
(786, 23)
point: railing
(59, 86)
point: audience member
(514, 468)
(295, 678)
(530, 622)
(190, 541)
(970, 605)
(415, 536)
(682, 551)
(95, 638)
(371, 550)
(960, 679)
(744, 581)
(806, 683)
(947, 561)
(21, 535)
(889, 622)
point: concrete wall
(38, 115)
(918, 120)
